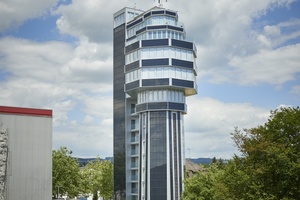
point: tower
(154, 71)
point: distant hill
(201, 160)
(83, 161)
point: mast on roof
(160, 3)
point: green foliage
(107, 188)
(203, 185)
(65, 173)
(271, 156)
(269, 168)
(98, 176)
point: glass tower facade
(154, 71)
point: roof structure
(193, 168)
(25, 111)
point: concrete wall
(3, 162)
(29, 169)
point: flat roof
(25, 111)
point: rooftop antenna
(189, 152)
(160, 4)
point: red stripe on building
(25, 111)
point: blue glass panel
(134, 23)
(184, 44)
(131, 38)
(157, 27)
(155, 62)
(170, 13)
(132, 47)
(140, 31)
(158, 152)
(158, 42)
(154, 82)
(147, 14)
(183, 63)
(158, 12)
(182, 83)
(141, 107)
(175, 28)
(132, 66)
(130, 86)
(158, 105)
(176, 106)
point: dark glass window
(134, 23)
(184, 44)
(158, 160)
(132, 124)
(141, 30)
(130, 86)
(141, 107)
(147, 14)
(175, 28)
(132, 66)
(175, 139)
(158, 12)
(170, 13)
(154, 82)
(157, 27)
(171, 152)
(155, 106)
(132, 108)
(132, 47)
(155, 62)
(182, 83)
(179, 151)
(182, 63)
(158, 42)
(132, 37)
(119, 109)
(176, 106)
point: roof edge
(25, 111)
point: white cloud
(85, 140)
(209, 122)
(36, 77)
(15, 12)
(224, 34)
(267, 66)
(295, 90)
(91, 19)
(76, 79)
(272, 30)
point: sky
(58, 55)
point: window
(154, 35)
(132, 76)
(159, 52)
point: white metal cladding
(29, 175)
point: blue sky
(58, 55)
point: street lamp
(58, 191)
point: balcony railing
(134, 190)
(134, 177)
(134, 165)
(134, 152)
(135, 139)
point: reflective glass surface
(158, 159)
(119, 112)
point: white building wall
(30, 156)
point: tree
(98, 176)
(65, 173)
(204, 185)
(107, 186)
(268, 168)
(270, 157)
